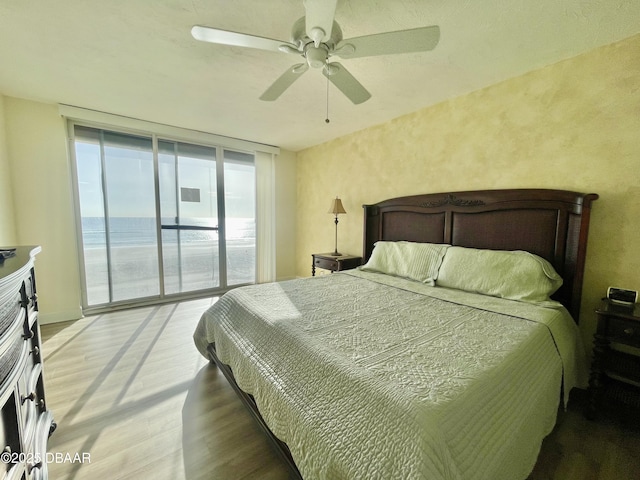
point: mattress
(364, 375)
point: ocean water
(136, 231)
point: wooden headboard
(550, 223)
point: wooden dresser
(26, 422)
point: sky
(131, 186)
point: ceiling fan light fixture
(316, 57)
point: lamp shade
(336, 207)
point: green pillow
(517, 275)
(416, 261)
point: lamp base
(336, 254)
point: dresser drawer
(327, 261)
(622, 366)
(10, 312)
(621, 330)
(14, 351)
(31, 401)
(327, 264)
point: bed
(446, 356)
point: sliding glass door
(161, 218)
(189, 217)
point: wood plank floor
(130, 390)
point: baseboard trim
(58, 317)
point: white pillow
(416, 261)
(516, 275)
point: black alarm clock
(622, 296)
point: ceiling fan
(317, 37)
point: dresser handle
(29, 335)
(31, 396)
(628, 331)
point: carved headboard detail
(553, 224)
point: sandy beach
(135, 269)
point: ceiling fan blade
(284, 81)
(402, 41)
(225, 37)
(319, 19)
(346, 83)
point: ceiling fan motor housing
(299, 35)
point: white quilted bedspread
(366, 376)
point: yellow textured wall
(42, 202)
(285, 191)
(574, 125)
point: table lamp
(336, 209)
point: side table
(615, 369)
(328, 261)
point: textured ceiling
(137, 58)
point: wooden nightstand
(615, 370)
(335, 264)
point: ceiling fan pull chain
(327, 119)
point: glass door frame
(220, 193)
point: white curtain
(265, 218)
